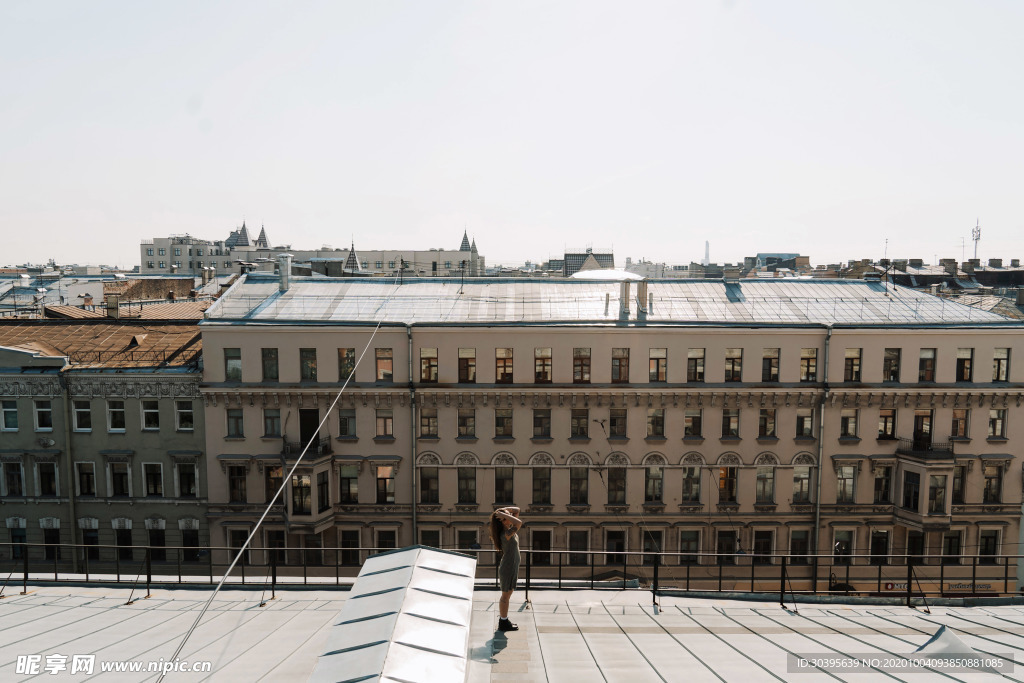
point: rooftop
(104, 344)
(563, 636)
(256, 297)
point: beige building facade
(725, 422)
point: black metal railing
(922, 445)
(871, 575)
(318, 447)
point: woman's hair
(496, 528)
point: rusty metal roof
(106, 344)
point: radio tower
(976, 236)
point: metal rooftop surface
(256, 298)
(106, 344)
(562, 636)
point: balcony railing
(924, 446)
(317, 447)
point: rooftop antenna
(976, 236)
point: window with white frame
(119, 479)
(184, 419)
(150, 415)
(154, 473)
(82, 416)
(186, 482)
(46, 479)
(86, 479)
(9, 416)
(13, 480)
(43, 415)
(115, 415)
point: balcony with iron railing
(316, 447)
(924, 447)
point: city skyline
(783, 127)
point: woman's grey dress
(508, 568)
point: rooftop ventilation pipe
(641, 297)
(624, 300)
(284, 268)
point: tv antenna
(976, 236)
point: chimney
(915, 263)
(284, 264)
(995, 263)
(641, 297)
(1015, 263)
(949, 265)
(205, 276)
(967, 266)
(730, 272)
(113, 306)
(624, 300)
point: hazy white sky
(823, 128)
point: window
(502, 423)
(997, 423)
(467, 366)
(236, 484)
(654, 478)
(887, 423)
(655, 423)
(503, 366)
(765, 489)
(801, 484)
(541, 485)
(467, 423)
(350, 547)
(347, 423)
(429, 485)
(616, 485)
(843, 546)
(149, 251)
(578, 479)
(123, 539)
(659, 365)
(1001, 365)
(730, 423)
(82, 415)
(879, 546)
(346, 364)
(391, 264)
(115, 416)
(348, 484)
(959, 427)
(385, 423)
(273, 477)
(883, 484)
(183, 417)
(307, 365)
(993, 484)
(503, 485)
(150, 415)
(581, 366)
(617, 423)
(691, 485)
(154, 479)
(271, 422)
(542, 365)
(804, 423)
(120, 482)
(798, 546)
(47, 472)
(937, 494)
(578, 423)
(428, 365)
(44, 416)
(579, 542)
(385, 364)
(951, 547)
(9, 416)
(734, 365)
(848, 423)
(891, 365)
(541, 545)
(380, 264)
(269, 360)
(233, 365)
(770, 365)
(620, 366)
(301, 494)
(763, 547)
(542, 423)
(187, 480)
(959, 483)
(808, 365)
(177, 251)
(323, 491)
(693, 423)
(86, 478)
(467, 485)
(766, 423)
(163, 264)
(988, 546)
(695, 365)
(235, 424)
(926, 366)
(964, 364)
(727, 484)
(13, 479)
(689, 543)
(151, 264)
(845, 483)
(428, 423)
(851, 370)
(911, 490)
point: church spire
(352, 262)
(465, 241)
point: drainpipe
(412, 432)
(66, 391)
(821, 447)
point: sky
(838, 130)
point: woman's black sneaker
(506, 625)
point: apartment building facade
(101, 442)
(705, 419)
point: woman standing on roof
(503, 527)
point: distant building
(575, 259)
